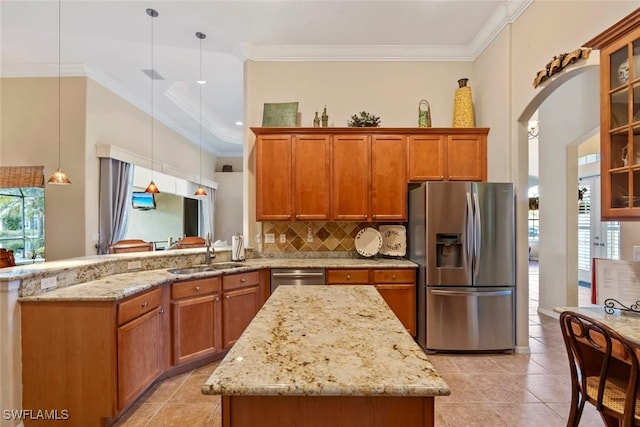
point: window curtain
(116, 190)
(209, 213)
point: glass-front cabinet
(620, 118)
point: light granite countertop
(326, 341)
(105, 283)
(627, 325)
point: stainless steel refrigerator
(462, 235)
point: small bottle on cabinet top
(325, 118)
(316, 120)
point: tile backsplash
(327, 236)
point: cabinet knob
(348, 276)
(144, 304)
(197, 288)
(243, 280)
(450, 178)
(216, 299)
(298, 216)
(393, 277)
(441, 176)
(227, 296)
(161, 310)
(374, 215)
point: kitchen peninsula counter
(326, 355)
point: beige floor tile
(549, 388)
(553, 362)
(139, 415)
(476, 364)
(505, 388)
(161, 392)
(182, 415)
(190, 391)
(470, 415)
(443, 363)
(463, 388)
(590, 416)
(528, 415)
(215, 420)
(518, 364)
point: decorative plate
(394, 240)
(368, 241)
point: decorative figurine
(424, 114)
(316, 120)
(325, 118)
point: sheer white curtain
(116, 189)
(208, 207)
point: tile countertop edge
(326, 341)
(118, 286)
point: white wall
(158, 224)
(228, 205)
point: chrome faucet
(210, 253)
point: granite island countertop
(326, 341)
(113, 287)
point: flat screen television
(143, 201)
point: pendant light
(200, 192)
(59, 177)
(152, 188)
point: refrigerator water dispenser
(448, 250)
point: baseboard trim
(549, 313)
(523, 350)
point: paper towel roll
(237, 248)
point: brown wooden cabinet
(388, 178)
(358, 174)
(458, 154)
(350, 177)
(196, 316)
(241, 300)
(293, 177)
(396, 286)
(620, 118)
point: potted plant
(364, 119)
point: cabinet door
(401, 298)
(139, 355)
(350, 183)
(311, 177)
(426, 157)
(388, 178)
(196, 327)
(239, 307)
(273, 178)
(466, 158)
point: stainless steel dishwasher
(296, 276)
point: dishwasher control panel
(297, 276)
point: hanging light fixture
(200, 192)
(59, 177)
(152, 188)
(532, 132)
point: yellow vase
(463, 106)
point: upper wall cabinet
(358, 174)
(620, 118)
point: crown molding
(506, 14)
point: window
(534, 215)
(22, 222)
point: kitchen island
(326, 356)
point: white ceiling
(110, 41)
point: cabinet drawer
(191, 288)
(394, 276)
(139, 305)
(236, 281)
(344, 276)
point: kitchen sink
(204, 268)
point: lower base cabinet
(396, 286)
(241, 301)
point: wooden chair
(130, 245)
(604, 371)
(190, 242)
(6, 258)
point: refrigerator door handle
(474, 293)
(469, 224)
(477, 240)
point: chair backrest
(190, 242)
(6, 258)
(596, 350)
(130, 245)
